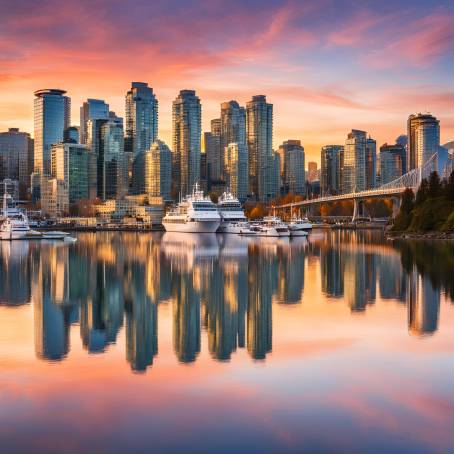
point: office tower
(105, 139)
(54, 197)
(213, 151)
(72, 134)
(52, 115)
(70, 163)
(16, 157)
(233, 127)
(92, 109)
(354, 175)
(312, 171)
(187, 123)
(292, 167)
(423, 139)
(259, 125)
(371, 163)
(112, 171)
(236, 170)
(275, 177)
(141, 128)
(153, 171)
(392, 162)
(332, 163)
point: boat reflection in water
(223, 285)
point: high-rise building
(54, 197)
(153, 175)
(233, 127)
(71, 164)
(16, 157)
(292, 167)
(275, 177)
(354, 174)
(91, 109)
(141, 118)
(423, 139)
(52, 115)
(105, 139)
(371, 163)
(72, 134)
(332, 163)
(259, 125)
(236, 170)
(112, 165)
(312, 171)
(187, 123)
(392, 162)
(213, 151)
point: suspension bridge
(393, 190)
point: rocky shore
(419, 236)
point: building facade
(392, 162)
(423, 139)
(213, 151)
(52, 116)
(153, 172)
(259, 126)
(332, 163)
(292, 167)
(187, 124)
(371, 163)
(354, 174)
(16, 158)
(91, 109)
(232, 128)
(141, 123)
(236, 170)
(71, 164)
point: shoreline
(447, 236)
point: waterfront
(164, 342)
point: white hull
(192, 226)
(13, 235)
(268, 232)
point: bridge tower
(358, 209)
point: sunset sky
(327, 66)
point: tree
(404, 218)
(258, 212)
(422, 194)
(449, 191)
(434, 189)
(407, 201)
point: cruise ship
(233, 219)
(194, 214)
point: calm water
(164, 343)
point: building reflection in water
(15, 273)
(423, 305)
(225, 284)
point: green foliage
(404, 217)
(423, 191)
(448, 226)
(435, 187)
(431, 215)
(449, 188)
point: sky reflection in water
(341, 342)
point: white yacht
(233, 219)
(194, 214)
(271, 226)
(14, 222)
(299, 227)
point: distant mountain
(449, 145)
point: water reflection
(223, 287)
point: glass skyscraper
(370, 159)
(52, 115)
(232, 128)
(236, 170)
(212, 142)
(141, 123)
(392, 162)
(259, 125)
(91, 109)
(354, 175)
(332, 163)
(187, 124)
(292, 167)
(423, 139)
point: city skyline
(326, 68)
